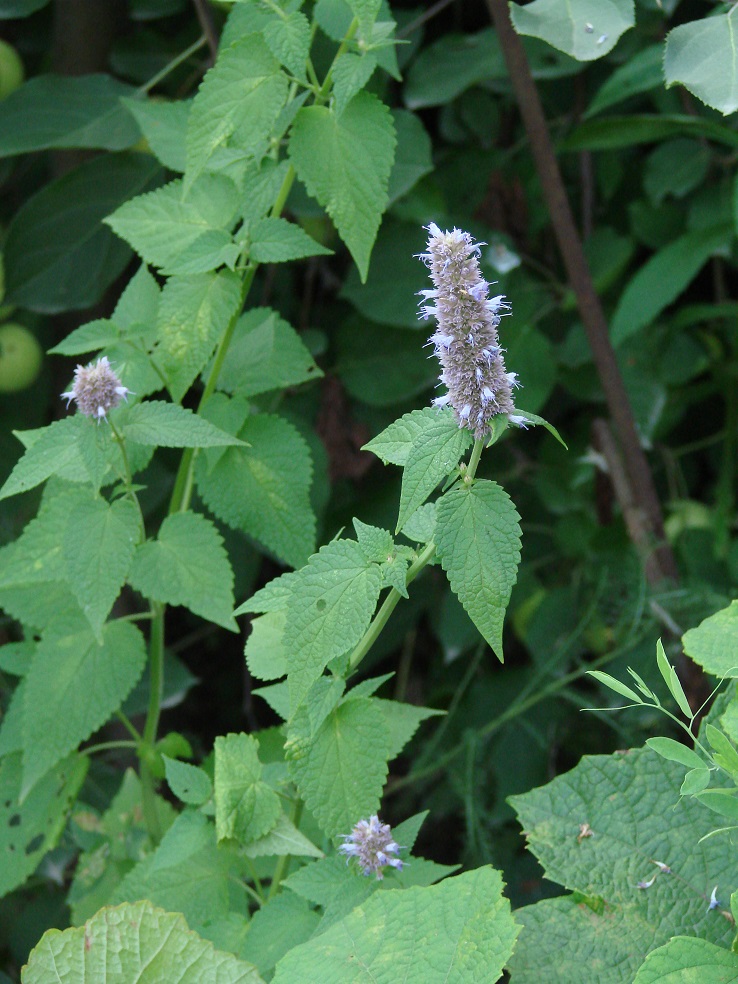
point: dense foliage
(217, 212)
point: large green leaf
(134, 943)
(612, 132)
(345, 163)
(58, 255)
(583, 29)
(702, 57)
(66, 111)
(714, 642)
(164, 127)
(457, 932)
(393, 444)
(627, 802)
(478, 539)
(246, 808)
(686, 960)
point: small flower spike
(465, 340)
(371, 843)
(96, 389)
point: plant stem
(103, 746)
(126, 722)
(170, 66)
(471, 468)
(156, 687)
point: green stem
(156, 687)
(128, 478)
(471, 468)
(325, 88)
(284, 859)
(128, 725)
(170, 66)
(103, 746)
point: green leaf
(433, 455)
(182, 233)
(134, 942)
(57, 448)
(676, 167)
(413, 157)
(727, 756)
(533, 420)
(264, 652)
(722, 801)
(164, 127)
(674, 751)
(240, 98)
(613, 132)
(421, 527)
(245, 807)
(69, 662)
(98, 546)
(187, 565)
(394, 443)
(701, 57)
(351, 72)
(403, 720)
(30, 828)
(166, 425)
(478, 539)
(446, 68)
(345, 164)
(92, 337)
(289, 40)
(459, 931)
(376, 543)
(283, 923)
(189, 784)
(266, 353)
(672, 680)
(275, 240)
(330, 605)
(686, 960)
(194, 314)
(614, 684)
(663, 278)
(695, 781)
(263, 489)
(714, 643)
(283, 838)
(37, 555)
(640, 73)
(583, 29)
(66, 111)
(341, 772)
(58, 254)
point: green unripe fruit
(20, 358)
(11, 69)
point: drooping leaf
(583, 29)
(246, 808)
(701, 56)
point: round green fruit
(20, 358)
(11, 69)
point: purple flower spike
(371, 843)
(96, 389)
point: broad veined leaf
(69, 662)
(264, 651)
(714, 642)
(283, 923)
(394, 443)
(283, 838)
(478, 539)
(345, 164)
(275, 240)
(289, 40)
(687, 960)
(461, 930)
(351, 72)
(187, 565)
(583, 29)
(702, 57)
(164, 127)
(167, 425)
(246, 808)
(134, 943)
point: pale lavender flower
(96, 389)
(465, 340)
(371, 843)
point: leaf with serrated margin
(583, 29)
(98, 546)
(242, 96)
(457, 932)
(187, 565)
(181, 233)
(30, 828)
(188, 783)
(134, 942)
(167, 425)
(433, 455)
(69, 664)
(330, 605)
(350, 74)
(284, 838)
(245, 807)
(194, 314)
(403, 720)
(376, 543)
(341, 773)
(164, 127)
(263, 489)
(275, 240)
(394, 443)
(627, 800)
(714, 642)
(289, 39)
(283, 923)
(702, 57)
(687, 960)
(345, 164)
(366, 12)
(421, 527)
(264, 651)
(478, 539)
(56, 449)
(92, 337)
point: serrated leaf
(264, 652)
(674, 751)
(240, 97)
(181, 233)
(614, 684)
(167, 425)
(701, 57)
(421, 527)
(92, 337)
(30, 828)
(413, 158)
(37, 556)
(164, 127)
(345, 164)
(351, 73)
(330, 605)
(263, 489)
(68, 662)
(194, 314)
(403, 720)
(340, 774)
(98, 546)
(461, 931)
(245, 807)
(393, 444)
(57, 448)
(687, 960)
(714, 643)
(478, 539)
(283, 923)
(283, 838)
(187, 565)
(134, 942)
(275, 240)
(583, 29)
(433, 455)
(289, 40)
(376, 543)
(189, 783)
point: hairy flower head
(465, 340)
(371, 843)
(96, 389)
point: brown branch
(590, 309)
(207, 25)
